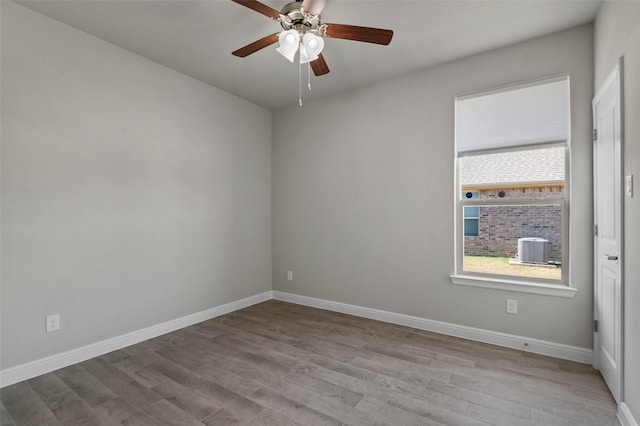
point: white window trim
(558, 290)
(511, 283)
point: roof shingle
(536, 166)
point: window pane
(471, 227)
(521, 240)
(469, 195)
(471, 212)
(532, 173)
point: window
(471, 216)
(512, 148)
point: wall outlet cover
(52, 323)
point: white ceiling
(196, 37)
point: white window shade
(522, 115)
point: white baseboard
(556, 350)
(45, 365)
(41, 366)
(625, 416)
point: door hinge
(595, 135)
(595, 325)
(595, 230)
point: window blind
(519, 115)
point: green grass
(500, 266)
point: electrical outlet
(512, 306)
(53, 323)
(289, 276)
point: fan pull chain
(299, 83)
(309, 75)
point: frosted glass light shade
(289, 42)
(312, 46)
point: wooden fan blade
(260, 8)
(256, 45)
(353, 32)
(319, 66)
(314, 7)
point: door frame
(615, 74)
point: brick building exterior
(514, 175)
(500, 227)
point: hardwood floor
(277, 363)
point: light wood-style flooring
(277, 363)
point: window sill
(557, 290)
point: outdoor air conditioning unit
(533, 250)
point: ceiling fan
(303, 31)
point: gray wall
(131, 194)
(363, 194)
(617, 33)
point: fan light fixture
(304, 32)
(310, 45)
(289, 42)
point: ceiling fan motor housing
(298, 19)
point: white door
(607, 180)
